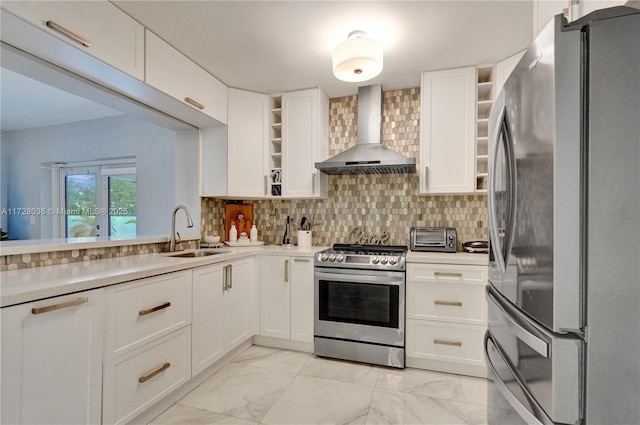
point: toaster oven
(434, 239)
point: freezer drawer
(546, 367)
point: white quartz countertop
(25, 285)
(448, 258)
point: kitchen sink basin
(193, 254)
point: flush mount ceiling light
(357, 59)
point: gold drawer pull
(75, 37)
(156, 308)
(162, 368)
(445, 342)
(52, 307)
(301, 260)
(448, 303)
(194, 103)
(447, 274)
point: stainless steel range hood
(369, 155)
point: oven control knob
(393, 261)
(340, 258)
(323, 257)
(374, 260)
(383, 260)
(332, 257)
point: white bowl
(212, 239)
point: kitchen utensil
(303, 223)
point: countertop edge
(17, 286)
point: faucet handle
(178, 240)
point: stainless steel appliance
(433, 239)
(563, 344)
(360, 303)
(369, 155)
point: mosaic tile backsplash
(376, 203)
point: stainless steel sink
(193, 254)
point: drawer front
(135, 381)
(443, 341)
(147, 309)
(447, 301)
(447, 273)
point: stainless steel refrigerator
(563, 344)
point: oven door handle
(375, 280)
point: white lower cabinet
(286, 297)
(148, 343)
(223, 309)
(446, 318)
(52, 360)
(135, 381)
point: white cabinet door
(238, 303)
(447, 131)
(207, 322)
(171, 72)
(248, 133)
(113, 36)
(305, 121)
(302, 299)
(275, 296)
(52, 360)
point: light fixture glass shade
(357, 59)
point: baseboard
(284, 344)
(479, 370)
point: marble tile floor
(270, 386)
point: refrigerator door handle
(494, 235)
(527, 336)
(521, 409)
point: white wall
(154, 147)
(3, 183)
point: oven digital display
(357, 260)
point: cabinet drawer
(447, 273)
(443, 341)
(141, 311)
(173, 73)
(446, 301)
(135, 381)
(114, 37)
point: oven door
(360, 305)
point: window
(97, 200)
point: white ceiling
(277, 46)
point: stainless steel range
(360, 303)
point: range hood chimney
(369, 155)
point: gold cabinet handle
(286, 270)
(230, 275)
(301, 260)
(59, 306)
(194, 103)
(153, 309)
(449, 303)
(447, 274)
(445, 342)
(225, 278)
(62, 30)
(145, 378)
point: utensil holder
(304, 237)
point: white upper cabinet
(173, 73)
(447, 131)
(96, 27)
(305, 141)
(247, 132)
